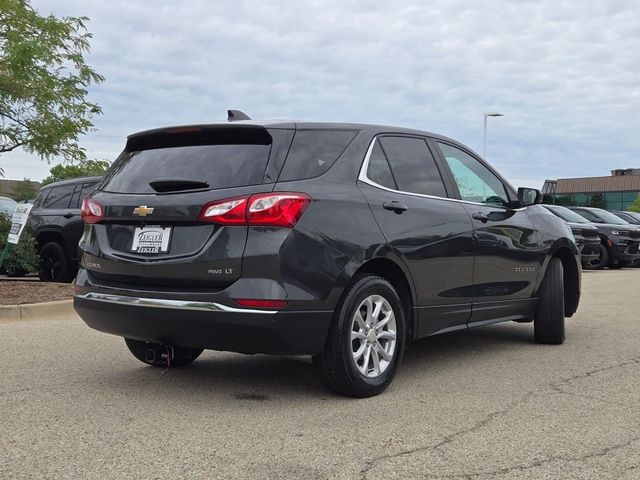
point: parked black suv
(586, 235)
(341, 241)
(620, 238)
(56, 225)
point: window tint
(87, 188)
(313, 152)
(476, 182)
(413, 166)
(59, 197)
(220, 166)
(379, 170)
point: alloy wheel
(373, 336)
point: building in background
(615, 192)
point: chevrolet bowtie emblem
(143, 211)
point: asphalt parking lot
(485, 403)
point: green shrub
(24, 256)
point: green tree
(24, 256)
(24, 190)
(635, 206)
(43, 82)
(84, 168)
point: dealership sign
(18, 221)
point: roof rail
(235, 115)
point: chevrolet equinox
(340, 241)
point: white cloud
(565, 75)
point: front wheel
(548, 323)
(158, 355)
(366, 341)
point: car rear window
(313, 152)
(221, 160)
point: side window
(475, 181)
(59, 197)
(414, 168)
(378, 170)
(313, 152)
(87, 188)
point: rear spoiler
(194, 135)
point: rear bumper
(205, 324)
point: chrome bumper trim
(163, 303)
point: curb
(37, 311)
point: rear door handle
(396, 207)
(483, 217)
(68, 215)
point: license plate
(151, 239)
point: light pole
(484, 135)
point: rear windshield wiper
(176, 185)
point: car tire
(548, 323)
(154, 354)
(366, 340)
(54, 264)
(600, 262)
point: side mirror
(529, 196)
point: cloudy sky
(565, 74)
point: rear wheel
(548, 323)
(54, 264)
(366, 340)
(600, 262)
(158, 355)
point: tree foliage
(635, 206)
(84, 168)
(24, 256)
(24, 190)
(43, 82)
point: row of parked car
(604, 238)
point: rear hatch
(152, 197)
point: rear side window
(59, 197)
(379, 170)
(211, 159)
(313, 152)
(413, 166)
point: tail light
(276, 209)
(92, 211)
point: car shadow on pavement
(258, 378)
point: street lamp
(484, 136)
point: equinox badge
(143, 211)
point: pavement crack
(556, 386)
(543, 461)
(447, 439)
